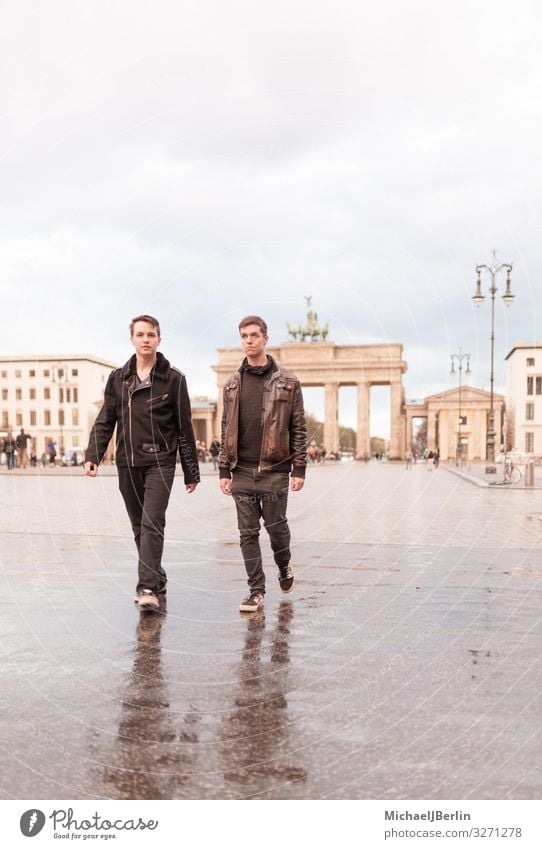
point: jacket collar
(270, 369)
(160, 369)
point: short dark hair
(253, 319)
(149, 319)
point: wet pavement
(405, 664)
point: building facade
(52, 397)
(524, 398)
(457, 422)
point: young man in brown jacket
(264, 440)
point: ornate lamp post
(493, 270)
(460, 357)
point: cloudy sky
(203, 162)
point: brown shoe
(252, 603)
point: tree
(315, 429)
(378, 446)
(419, 439)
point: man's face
(145, 338)
(253, 341)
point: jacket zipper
(130, 393)
(130, 425)
(267, 388)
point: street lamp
(60, 375)
(460, 357)
(494, 269)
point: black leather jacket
(284, 436)
(153, 419)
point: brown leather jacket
(284, 436)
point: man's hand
(296, 484)
(91, 469)
(190, 487)
(225, 486)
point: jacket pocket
(151, 448)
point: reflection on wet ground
(255, 744)
(394, 670)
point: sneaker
(251, 603)
(286, 578)
(147, 600)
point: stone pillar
(479, 436)
(209, 435)
(408, 446)
(431, 429)
(396, 408)
(363, 437)
(443, 435)
(331, 417)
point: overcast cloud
(202, 163)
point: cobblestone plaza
(405, 664)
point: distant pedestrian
(10, 446)
(430, 461)
(22, 449)
(214, 450)
(437, 458)
(409, 459)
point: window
(17, 372)
(530, 361)
(529, 385)
(32, 394)
(529, 443)
(33, 418)
(75, 372)
(529, 411)
(19, 418)
(75, 441)
(18, 394)
(75, 416)
(46, 373)
(462, 420)
(61, 395)
(5, 419)
(61, 417)
(539, 385)
(4, 375)
(46, 393)
(60, 372)
(75, 395)
(32, 372)
(68, 395)
(4, 395)
(46, 417)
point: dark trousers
(260, 495)
(146, 491)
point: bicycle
(511, 473)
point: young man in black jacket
(264, 442)
(147, 400)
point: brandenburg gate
(321, 363)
